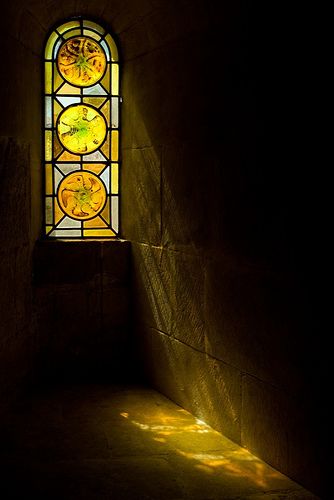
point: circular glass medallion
(81, 61)
(81, 195)
(81, 128)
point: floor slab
(117, 443)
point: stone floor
(107, 442)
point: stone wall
(82, 310)
(216, 202)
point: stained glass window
(81, 132)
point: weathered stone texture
(15, 268)
(254, 321)
(195, 381)
(141, 178)
(82, 307)
(185, 217)
(175, 308)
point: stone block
(65, 262)
(209, 389)
(254, 321)
(31, 33)
(185, 217)
(184, 289)
(116, 257)
(115, 307)
(141, 205)
(122, 14)
(14, 192)
(164, 26)
(150, 288)
(264, 422)
(168, 293)
(134, 41)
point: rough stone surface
(210, 86)
(16, 347)
(172, 364)
(82, 303)
(141, 178)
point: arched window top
(81, 131)
(80, 27)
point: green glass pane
(68, 26)
(50, 44)
(114, 145)
(72, 33)
(113, 48)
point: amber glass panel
(102, 233)
(48, 179)
(114, 145)
(94, 223)
(81, 61)
(81, 128)
(81, 195)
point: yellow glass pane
(48, 229)
(106, 212)
(57, 79)
(59, 214)
(97, 222)
(106, 79)
(48, 179)
(48, 145)
(114, 79)
(81, 195)
(68, 26)
(72, 33)
(94, 101)
(114, 179)
(114, 145)
(48, 77)
(57, 109)
(81, 61)
(81, 128)
(69, 89)
(105, 147)
(57, 147)
(103, 233)
(106, 110)
(113, 48)
(92, 34)
(96, 168)
(66, 156)
(50, 44)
